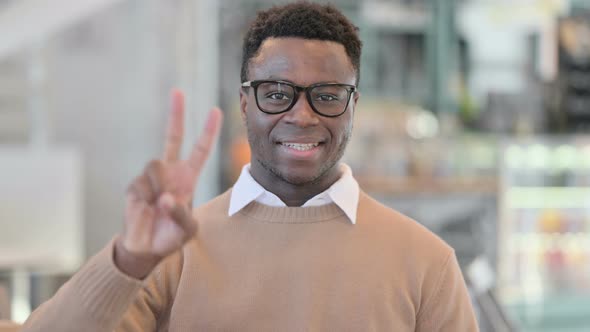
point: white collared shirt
(344, 193)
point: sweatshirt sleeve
(99, 297)
(448, 308)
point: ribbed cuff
(105, 291)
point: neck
(293, 194)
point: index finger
(204, 144)
(175, 129)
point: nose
(302, 115)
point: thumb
(180, 213)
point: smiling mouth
(300, 146)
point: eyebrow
(278, 78)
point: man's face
(277, 140)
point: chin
(297, 177)
(292, 174)
(300, 180)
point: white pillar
(199, 78)
(21, 295)
(37, 96)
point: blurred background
(474, 120)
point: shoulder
(402, 232)
(407, 246)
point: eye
(277, 96)
(327, 98)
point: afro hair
(306, 20)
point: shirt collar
(344, 193)
(245, 191)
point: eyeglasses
(326, 99)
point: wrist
(135, 265)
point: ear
(355, 99)
(243, 103)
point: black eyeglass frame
(351, 89)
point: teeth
(301, 147)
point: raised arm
(116, 289)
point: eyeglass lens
(276, 97)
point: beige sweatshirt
(276, 269)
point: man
(295, 245)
